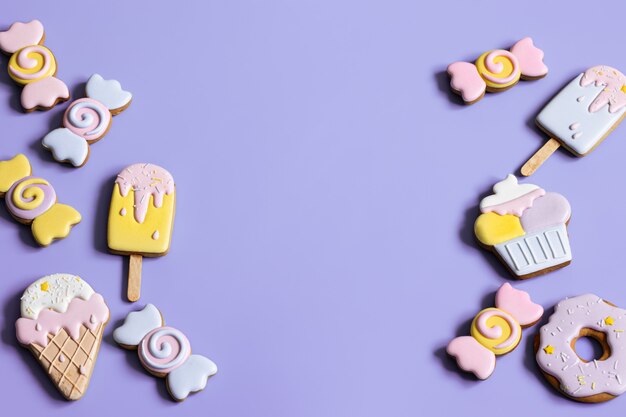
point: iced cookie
(587, 315)
(164, 352)
(62, 323)
(33, 201)
(495, 331)
(33, 66)
(141, 217)
(497, 70)
(581, 115)
(87, 120)
(526, 227)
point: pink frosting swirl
(87, 118)
(163, 350)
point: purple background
(327, 185)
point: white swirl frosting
(505, 191)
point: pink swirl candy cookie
(164, 352)
(497, 70)
(87, 120)
(33, 66)
(495, 331)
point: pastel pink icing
(614, 94)
(550, 210)
(466, 80)
(163, 350)
(530, 58)
(518, 304)
(497, 67)
(90, 313)
(44, 93)
(471, 356)
(516, 206)
(145, 180)
(20, 35)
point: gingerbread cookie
(33, 66)
(33, 201)
(87, 120)
(62, 323)
(164, 352)
(582, 114)
(587, 315)
(497, 70)
(526, 227)
(495, 331)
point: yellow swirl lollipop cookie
(33, 66)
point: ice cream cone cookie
(62, 323)
(33, 201)
(526, 227)
(33, 66)
(164, 352)
(497, 70)
(590, 381)
(141, 217)
(495, 331)
(87, 120)
(581, 115)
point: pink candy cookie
(33, 66)
(495, 331)
(497, 70)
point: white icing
(138, 324)
(66, 146)
(571, 105)
(536, 251)
(190, 376)
(507, 190)
(107, 92)
(61, 289)
(160, 350)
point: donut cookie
(62, 323)
(582, 114)
(495, 331)
(526, 227)
(141, 217)
(587, 315)
(87, 120)
(164, 352)
(33, 201)
(497, 70)
(33, 66)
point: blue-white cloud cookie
(108, 92)
(66, 146)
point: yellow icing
(549, 349)
(496, 321)
(44, 286)
(492, 228)
(40, 62)
(13, 170)
(31, 198)
(609, 321)
(55, 223)
(623, 88)
(507, 70)
(126, 235)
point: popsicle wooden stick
(134, 277)
(540, 157)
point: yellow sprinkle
(618, 331)
(44, 286)
(593, 385)
(623, 88)
(609, 321)
(549, 349)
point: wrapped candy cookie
(33, 201)
(165, 352)
(495, 331)
(87, 120)
(33, 66)
(526, 227)
(497, 70)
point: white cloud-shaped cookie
(66, 146)
(190, 376)
(138, 324)
(108, 92)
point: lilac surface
(327, 184)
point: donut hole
(591, 345)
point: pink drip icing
(516, 206)
(613, 94)
(79, 312)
